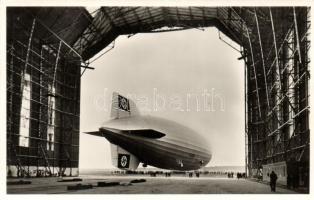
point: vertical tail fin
(123, 159)
(122, 106)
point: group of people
(168, 174)
(240, 175)
(230, 174)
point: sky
(190, 77)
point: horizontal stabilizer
(147, 133)
(96, 133)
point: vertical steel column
(53, 86)
(253, 63)
(41, 149)
(40, 106)
(245, 120)
(275, 44)
(278, 89)
(262, 55)
(10, 86)
(297, 34)
(56, 64)
(27, 55)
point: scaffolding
(43, 98)
(277, 92)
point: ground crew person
(273, 179)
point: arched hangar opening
(275, 45)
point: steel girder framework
(43, 91)
(277, 80)
(110, 22)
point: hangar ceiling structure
(110, 22)
(274, 46)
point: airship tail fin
(123, 159)
(122, 106)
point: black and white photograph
(156, 99)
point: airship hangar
(49, 49)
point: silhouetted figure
(273, 179)
(9, 173)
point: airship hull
(159, 153)
(151, 140)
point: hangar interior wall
(43, 100)
(277, 61)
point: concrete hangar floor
(152, 185)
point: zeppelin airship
(150, 140)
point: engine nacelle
(123, 159)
